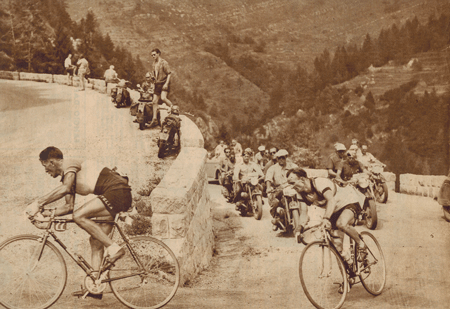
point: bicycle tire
(160, 282)
(368, 278)
(26, 282)
(320, 290)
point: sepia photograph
(225, 154)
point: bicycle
(326, 277)
(34, 272)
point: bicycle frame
(78, 259)
(354, 269)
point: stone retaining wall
(181, 205)
(423, 185)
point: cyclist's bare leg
(165, 99)
(93, 208)
(345, 222)
(97, 248)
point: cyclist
(243, 172)
(113, 195)
(342, 205)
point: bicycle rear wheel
(373, 267)
(323, 276)
(160, 276)
(28, 281)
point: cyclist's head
(50, 153)
(298, 176)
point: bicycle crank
(95, 287)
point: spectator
(219, 150)
(83, 70)
(110, 77)
(69, 68)
(162, 73)
(237, 148)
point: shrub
(140, 226)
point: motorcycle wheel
(257, 204)
(141, 125)
(381, 193)
(162, 149)
(371, 214)
(446, 210)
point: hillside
(234, 53)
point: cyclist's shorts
(355, 208)
(113, 190)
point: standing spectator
(69, 68)
(110, 77)
(237, 148)
(162, 73)
(219, 150)
(83, 70)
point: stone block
(160, 225)
(178, 225)
(168, 201)
(190, 134)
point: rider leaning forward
(342, 204)
(113, 195)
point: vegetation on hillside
(37, 35)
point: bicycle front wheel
(323, 276)
(30, 278)
(373, 266)
(150, 274)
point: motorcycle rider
(260, 157)
(226, 166)
(242, 174)
(355, 147)
(342, 206)
(110, 78)
(276, 180)
(273, 159)
(336, 159)
(367, 158)
(350, 167)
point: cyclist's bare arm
(331, 204)
(63, 190)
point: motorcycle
(291, 203)
(363, 184)
(143, 109)
(251, 198)
(380, 187)
(444, 198)
(169, 137)
(120, 96)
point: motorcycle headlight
(363, 183)
(244, 195)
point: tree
(370, 101)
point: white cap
(339, 147)
(281, 153)
(261, 148)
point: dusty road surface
(253, 267)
